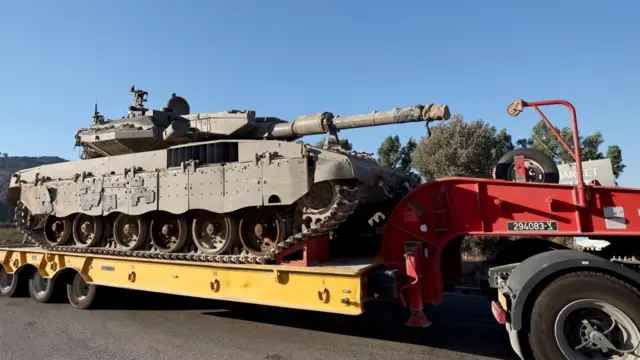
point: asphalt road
(182, 328)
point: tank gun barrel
(326, 122)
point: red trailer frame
(432, 215)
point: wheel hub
(591, 334)
(214, 233)
(57, 231)
(212, 230)
(80, 288)
(86, 228)
(129, 229)
(533, 171)
(167, 230)
(590, 329)
(259, 230)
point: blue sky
(285, 58)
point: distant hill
(11, 164)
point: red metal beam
(445, 209)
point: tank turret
(145, 130)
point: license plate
(532, 226)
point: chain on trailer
(345, 205)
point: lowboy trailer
(554, 302)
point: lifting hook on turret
(331, 129)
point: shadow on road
(462, 323)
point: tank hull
(239, 201)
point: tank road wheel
(214, 234)
(87, 230)
(57, 231)
(261, 230)
(168, 232)
(129, 231)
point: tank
(219, 187)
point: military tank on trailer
(222, 187)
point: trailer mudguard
(531, 275)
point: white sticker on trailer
(615, 223)
(613, 211)
(614, 217)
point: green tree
(504, 144)
(460, 148)
(542, 138)
(393, 155)
(344, 143)
(615, 155)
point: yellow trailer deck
(335, 286)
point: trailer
(555, 302)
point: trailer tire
(9, 284)
(80, 294)
(549, 169)
(579, 290)
(36, 290)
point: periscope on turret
(225, 186)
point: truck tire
(41, 289)
(80, 294)
(545, 168)
(8, 283)
(554, 334)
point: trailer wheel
(541, 167)
(8, 283)
(41, 289)
(80, 294)
(579, 315)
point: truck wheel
(80, 294)
(579, 314)
(541, 168)
(41, 289)
(8, 283)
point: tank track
(345, 205)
